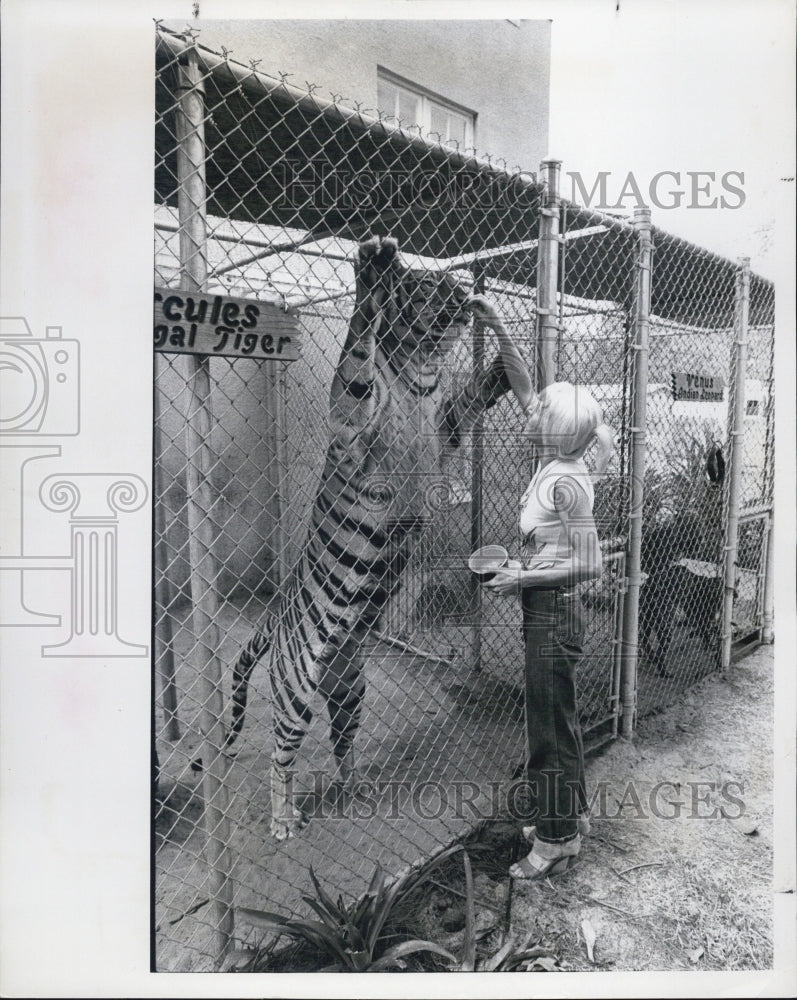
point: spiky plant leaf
(359, 961)
(377, 880)
(403, 886)
(363, 911)
(323, 898)
(469, 959)
(265, 918)
(354, 938)
(392, 956)
(317, 933)
(333, 922)
(360, 911)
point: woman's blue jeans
(553, 637)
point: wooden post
(641, 331)
(190, 130)
(735, 453)
(547, 276)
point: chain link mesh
(293, 183)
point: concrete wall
(498, 69)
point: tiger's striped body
(390, 428)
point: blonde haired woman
(560, 548)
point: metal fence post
(768, 601)
(477, 477)
(641, 329)
(189, 126)
(274, 410)
(735, 453)
(768, 610)
(164, 593)
(548, 276)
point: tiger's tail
(242, 671)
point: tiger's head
(426, 313)
(422, 312)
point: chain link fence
(696, 376)
(443, 702)
(262, 195)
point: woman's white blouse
(540, 522)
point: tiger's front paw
(375, 257)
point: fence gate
(684, 515)
(256, 234)
(752, 598)
(708, 467)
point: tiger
(390, 429)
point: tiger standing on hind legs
(389, 427)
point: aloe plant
(352, 935)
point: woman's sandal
(535, 866)
(525, 871)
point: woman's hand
(517, 372)
(507, 581)
(484, 311)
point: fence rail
(256, 198)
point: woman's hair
(568, 418)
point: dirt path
(677, 872)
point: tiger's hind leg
(292, 718)
(343, 687)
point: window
(751, 409)
(412, 106)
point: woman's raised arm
(515, 367)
